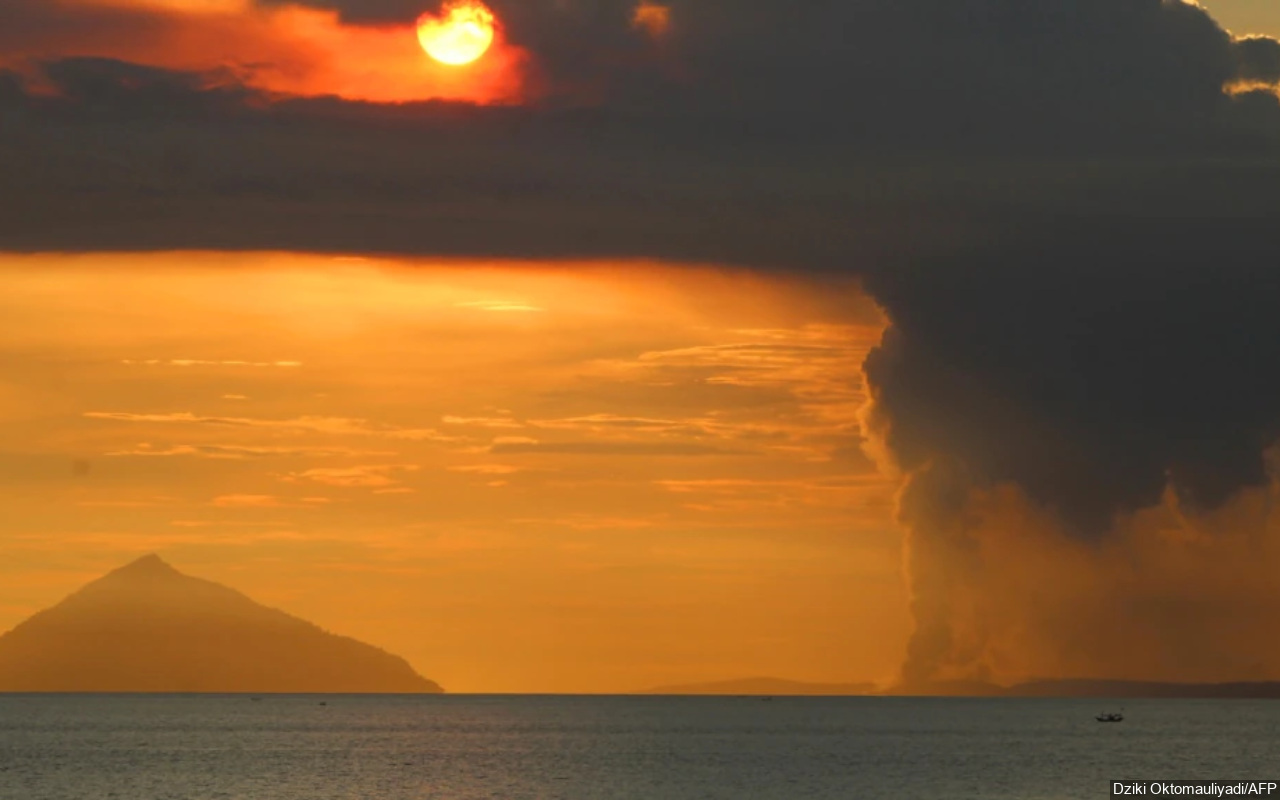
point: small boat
(1110, 717)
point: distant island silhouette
(146, 627)
(1091, 687)
(1066, 687)
(765, 686)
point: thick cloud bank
(936, 74)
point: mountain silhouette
(148, 628)
(1089, 687)
(765, 686)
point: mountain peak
(150, 564)
(148, 571)
(146, 627)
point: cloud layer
(921, 73)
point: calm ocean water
(181, 747)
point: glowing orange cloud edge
(287, 50)
(652, 18)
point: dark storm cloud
(1257, 59)
(122, 157)
(925, 73)
(133, 93)
(369, 12)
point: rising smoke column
(1068, 389)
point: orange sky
(520, 477)
(287, 49)
(1245, 17)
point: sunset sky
(521, 476)
(657, 343)
(1244, 17)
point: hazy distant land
(148, 628)
(765, 686)
(1038, 688)
(1072, 687)
(1104, 688)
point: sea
(459, 747)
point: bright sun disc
(459, 34)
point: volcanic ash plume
(1083, 428)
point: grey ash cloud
(1094, 368)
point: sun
(461, 33)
